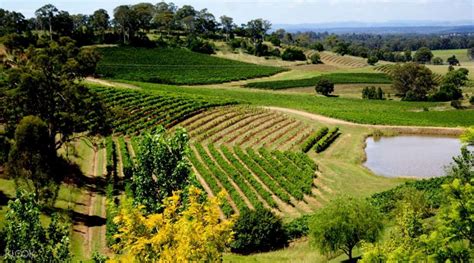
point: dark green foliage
(24, 233)
(175, 66)
(32, 162)
(111, 211)
(200, 46)
(471, 100)
(293, 54)
(372, 93)
(343, 224)
(447, 92)
(126, 159)
(341, 48)
(317, 46)
(313, 139)
(453, 61)
(4, 148)
(372, 60)
(337, 78)
(298, 227)
(412, 81)
(161, 168)
(456, 104)
(111, 158)
(315, 58)
(423, 55)
(258, 230)
(386, 201)
(437, 61)
(324, 86)
(326, 141)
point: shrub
(197, 45)
(324, 143)
(257, 231)
(298, 227)
(437, 61)
(324, 86)
(371, 93)
(372, 60)
(456, 104)
(315, 58)
(447, 92)
(471, 100)
(293, 54)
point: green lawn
(461, 54)
(350, 109)
(175, 66)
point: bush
(298, 227)
(258, 230)
(437, 61)
(317, 46)
(292, 54)
(456, 104)
(471, 100)
(372, 93)
(372, 60)
(324, 86)
(316, 58)
(197, 45)
(447, 92)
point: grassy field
(461, 54)
(336, 78)
(354, 110)
(175, 66)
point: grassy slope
(355, 110)
(461, 54)
(176, 66)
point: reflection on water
(413, 156)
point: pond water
(411, 156)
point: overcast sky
(287, 11)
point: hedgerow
(325, 141)
(313, 139)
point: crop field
(248, 127)
(336, 78)
(175, 66)
(135, 111)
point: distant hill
(401, 27)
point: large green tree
(412, 81)
(45, 16)
(161, 167)
(100, 22)
(423, 55)
(45, 83)
(343, 224)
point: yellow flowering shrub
(178, 234)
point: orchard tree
(324, 86)
(25, 233)
(423, 55)
(412, 81)
(183, 232)
(161, 168)
(45, 83)
(343, 224)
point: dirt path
(397, 128)
(110, 83)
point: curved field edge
(175, 66)
(385, 112)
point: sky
(287, 11)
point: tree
(63, 23)
(258, 230)
(100, 22)
(161, 168)
(453, 61)
(45, 83)
(372, 93)
(408, 56)
(27, 240)
(438, 61)
(293, 54)
(185, 17)
(423, 55)
(144, 14)
(324, 86)
(126, 19)
(317, 46)
(164, 16)
(412, 81)
(12, 22)
(341, 48)
(458, 78)
(470, 53)
(227, 26)
(45, 16)
(31, 161)
(257, 29)
(372, 60)
(343, 224)
(315, 58)
(181, 233)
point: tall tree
(12, 22)
(206, 23)
(343, 224)
(164, 16)
(227, 26)
(100, 22)
(423, 55)
(45, 16)
(257, 29)
(413, 81)
(45, 83)
(144, 13)
(161, 168)
(125, 18)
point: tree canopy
(413, 81)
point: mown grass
(355, 110)
(336, 78)
(175, 66)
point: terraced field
(175, 66)
(342, 61)
(247, 127)
(135, 111)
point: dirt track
(400, 129)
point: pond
(411, 155)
